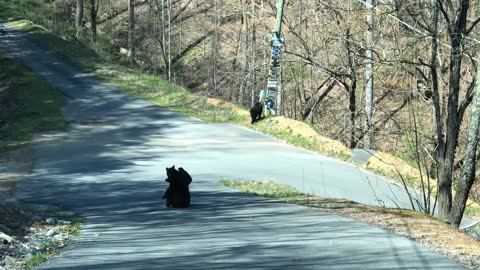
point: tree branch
(445, 15)
(474, 24)
(190, 47)
(337, 75)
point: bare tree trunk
(280, 94)
(253, 54)
(369, 79)
(131, 29)
(243, 53)
(164, 40)
(93, 22)
(162, 34)
(468, 173)
(435, 87)
(79, 14)
(214, 53)
(352, 88)
(436, 97)
(316, 98)
(351, 117)
(169, 52)
(457, 31)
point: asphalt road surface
(110, 167)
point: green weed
(29, 104)
(265, 189)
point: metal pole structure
(279, 100)
(369, 79)
(274, 84)
(278, 20)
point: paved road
(109, 166)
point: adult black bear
(178, 193)
(256, 112)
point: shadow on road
(128, 227)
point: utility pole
(278, 20)
(369, 78)
(274, 78)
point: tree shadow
(128, 227)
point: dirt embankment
(14, 166)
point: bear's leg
(170, 200)
(167, 191)
(184, 198)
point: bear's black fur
(177, 194)
(256, 112)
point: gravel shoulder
(29, 233)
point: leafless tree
(131, 30)
(450, 104)
(79, 14)
(93, 21)
(469, 161)
(369, 78)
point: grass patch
(472, 210)
(265, 189)
(286, 193)
(293, 137)
(52, 248)
(426, 230)
(40, 257)
(74, 228)
(409, 180)
(28, 104)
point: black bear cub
(256, 112)
(177, 194)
